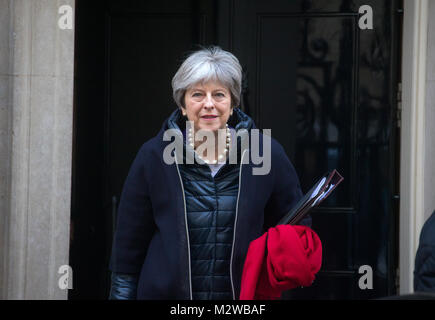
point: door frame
(412, 140)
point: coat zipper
(234, 232)
(187, 231)
(235, 225)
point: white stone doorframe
(36, 131)
(415, 141)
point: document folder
(319, 192)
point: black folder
(319, 192)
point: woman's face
(208, 105)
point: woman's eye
(220, 94)
(196, 94)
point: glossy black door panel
(336, 231)
(140, 94)
(327, 90)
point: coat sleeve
(424, 272)
(286, 190)
(135, 223)
(123, 286)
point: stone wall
(4, 133)
(429, 187)
(36, 115)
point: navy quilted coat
(186, 233)
(424, 272)
(211, 209)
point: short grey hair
(204, 65)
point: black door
(327, 90)
(325, 87)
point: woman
(183, 229)
(424, 271)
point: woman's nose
(208, 103)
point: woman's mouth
(209, 117)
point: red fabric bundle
(292, 258)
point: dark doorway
(326, 88)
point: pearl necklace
(221, 156)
